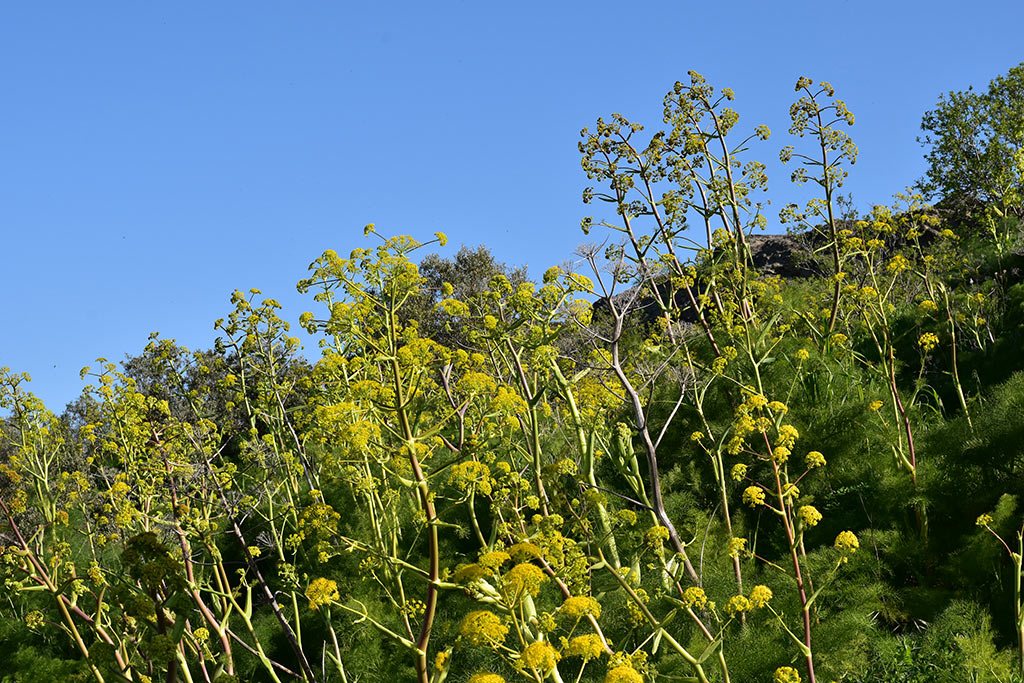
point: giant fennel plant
(611, 474)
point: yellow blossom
(494, 559)
(523, 578)
(322, 592)
(847, 542)
(34, 619)
(623, 674)
(695, 597)
(928, 341)
(525, 551)
(471, 572)
(760, 596)
(486, 678)
(898, 264)
(753, 496)
(656, 535)
(540, 657)
(788, 435)
(814, 459)
(588, 647)
(757, 401)
(809, 515)
(483, 628)
(786, 674)
(627, 516)
(581, 606)
(737, 604)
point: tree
(469, 274)
(976, 147)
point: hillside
(754, 458)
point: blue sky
(156, 156)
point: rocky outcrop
(782, 255)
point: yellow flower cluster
(753, 496)
(588, 647)
(759, 596)
(494, 559)
(523, 578)
(483, 628)
(814, 459)
(719, 364)
(524, 551)
(656, 535)
(809, 515)
(737, 604)
(928, 341)
(847, 542)
(869, 293)
(737, 546)
(319, 518)
(627, 516)
(898, 264)
(540, 657)
(581, 606)
(787, 437)
(757, 401)
(637, 615)
(623, 674)
(486, 678)
(414, 608)
(468, 573)
(786, 674)
(472, 474)
(322, 592)
(695, 597)
(476, 383)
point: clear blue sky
(154, 155)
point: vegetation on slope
(664, 464)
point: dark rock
(782, 255)
(779, 255)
